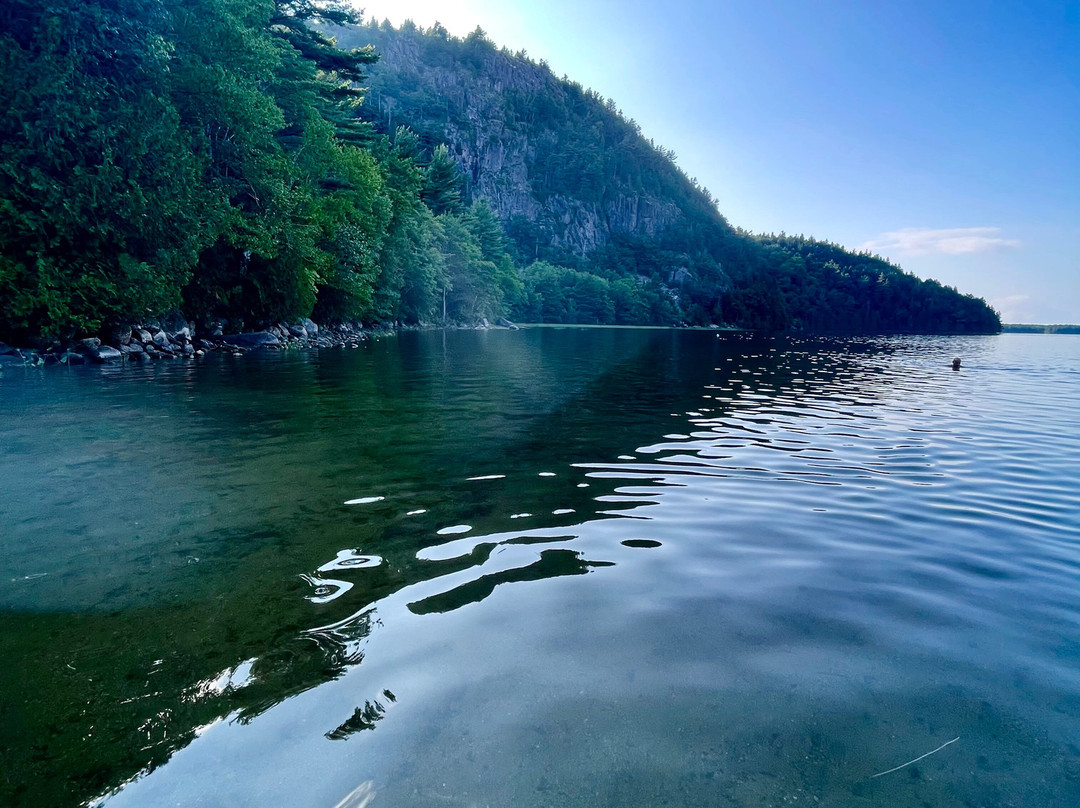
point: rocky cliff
(546, 154)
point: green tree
(442, 182)
(102, 207)
(471, 283)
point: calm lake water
(553, 567)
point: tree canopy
(231, 159)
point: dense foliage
(207, 154)
(219, 156)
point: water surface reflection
(793, 564)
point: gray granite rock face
(499, 156)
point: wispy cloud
(1013, 308)
(949, 241)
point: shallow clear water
(580, 567)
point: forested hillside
(621, 233)
(207, 155)
(219, 157)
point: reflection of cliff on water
(114, 688)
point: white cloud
(1014, 308)
(948, 241)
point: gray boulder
(118, 335)
(311, 328)
(142, 335)
(298, 331)
(251, 339)
(181, 336)
(106, 354)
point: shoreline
(174, 338)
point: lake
(550, 567)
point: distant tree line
(218, 157)
(1035, 328)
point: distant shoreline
(1040, 328)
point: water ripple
(763, 570)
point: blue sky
(944, 136)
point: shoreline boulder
(251, 339)
(106, 354)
